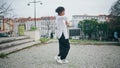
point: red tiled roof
(32, 19)
(7, 19)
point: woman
(62, 35)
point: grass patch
(43, 40)
(3, 55)
(92, 42)
(85, 41)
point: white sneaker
(57, 58)
(65, 61)
(59, 61)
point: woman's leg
(64, 47)
(61, 45)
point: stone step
(14, 43)
(13, 49)
(10, 39)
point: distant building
(46, 25)
(77, 18)
(8, 25)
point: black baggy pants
(64, 47)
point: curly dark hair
(59, 10)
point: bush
(33, 28)
(2, 55)
(43, 40)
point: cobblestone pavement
(80, 56)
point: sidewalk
(80, 56)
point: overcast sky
(73, 7)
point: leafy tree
(103, 30)
(89, 27)
(94, 29)
(115, 9)
(114, 24)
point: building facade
(77, 18)
(6, 25)
(46, 25)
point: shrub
(43, 40)
(2, 55)
(33, 28)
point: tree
(115, 9)
(89, 27)
(94, 29)
(5, 9)
(114, 25)
(103, 30)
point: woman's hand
(68, 23)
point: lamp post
(34, 2)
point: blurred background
(92, 19)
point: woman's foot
(58, 59)
(65, 61)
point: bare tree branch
(115, 9)
(5, 8)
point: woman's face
(63, 13)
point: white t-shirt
(61, 26)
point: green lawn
(92, 42)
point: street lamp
(34, 2)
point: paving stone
(80, 56)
